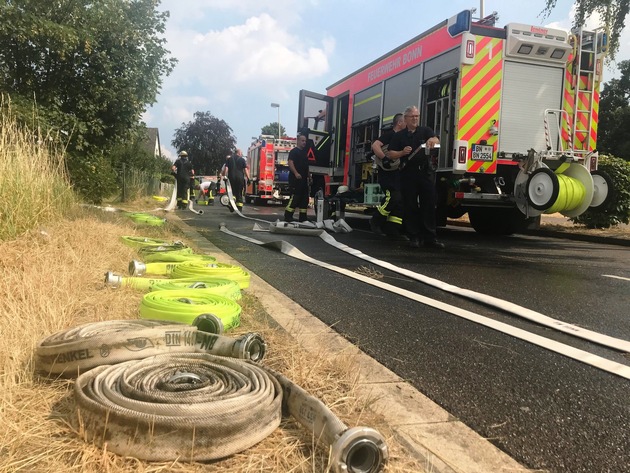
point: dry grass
(33, 183)
(53, 280)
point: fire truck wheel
(603, 189)
(225, 200)
(542, 188)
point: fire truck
(268, 161)
(515, 109)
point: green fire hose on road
(68, 352)
(187, 304)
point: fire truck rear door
(315, 118)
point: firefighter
(236, 170)
(417, 177)
(206, 192)
(184, 172)
(388, 217)
(298, 181)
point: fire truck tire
(498, 221)
(542, 189)
(603, 189)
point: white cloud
(258, 52)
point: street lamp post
(277, 105)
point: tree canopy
(85, 69)
(612, 12)
(207, 140)
(272, 129)
(614, 115)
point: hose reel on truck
(570, 190)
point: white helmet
(183, 153)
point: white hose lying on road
(86, 346)
(529, 314)
(557, 347)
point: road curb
(438, 440)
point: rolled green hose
(186, 305)
(175, 257)
(177, 246)
(163, 268)
(139, 241)
(218, 286)
(190, 269)
(145, 218)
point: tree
(614, 115)
(88, 68)
(207, 140)
(272, 129)
(612, 12)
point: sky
(237, 57)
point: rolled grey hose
(87, 346)
(352, 450)
(185, 406)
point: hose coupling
(209, 323)
(112, 279)
(359, 450)
(137, 268)
(250, 346)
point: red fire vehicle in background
(515, 108)
(268, 161)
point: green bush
(617, 210)
(92, 177)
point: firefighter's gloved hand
(386, 162)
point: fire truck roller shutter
(528, 89)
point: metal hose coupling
(137, 268)
(250, 346)
(355, 450)
(112, 279)
(359, 450)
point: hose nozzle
(359, 450)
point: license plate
(482, 152)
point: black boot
(288, 216)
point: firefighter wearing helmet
(183, 171)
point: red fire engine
(268, 161)
(515, 108)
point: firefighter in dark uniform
(236, 170)
(388, 218)
(298, 181)
(418, 179)
(183, 170)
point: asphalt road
(546, 410)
